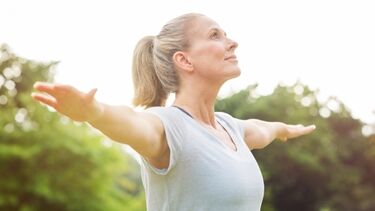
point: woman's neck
(199, 104)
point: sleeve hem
(172, 153)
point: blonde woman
(193, 158)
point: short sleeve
(241, 126)
(173, 137)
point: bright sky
(327, 44)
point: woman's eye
(214, 35)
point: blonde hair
(154, 73)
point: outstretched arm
(142, 131)
(259, 134)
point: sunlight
(2, 81)
(325, 112)
(368, 130)
(21, 115)
(298, 89)
(333, 105)
(3, 100)
(306, 101)
(10, 85)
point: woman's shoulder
(160, 109)
(223, 115)
(167, 114)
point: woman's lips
(231, 58)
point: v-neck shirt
(203, 173)
(230, 137)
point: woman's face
(211, 52)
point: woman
(193, 158)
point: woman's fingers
(44, 87)
(294, 131)
(56, 90)
(300, 130)
(91, 94)
(67, 100)
(45, 99)
(308, 129)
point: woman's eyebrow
(218, 30)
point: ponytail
(147, 87)
(154, 72)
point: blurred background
(301, 62)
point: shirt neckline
(236, 150)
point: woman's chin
(237, 72)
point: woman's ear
(182, 61)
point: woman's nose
(232, 44)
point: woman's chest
(216, 171)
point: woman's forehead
(202, 25)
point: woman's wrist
(97, 113)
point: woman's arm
(259, 134)
(142, 131)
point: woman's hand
(293, 131)
(259, 134)
(69, 101)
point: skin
(203, 68)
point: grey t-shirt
(203, 173)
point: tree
(48, 162)
(326, 170)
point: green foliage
(330, 169)
(48, 162)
